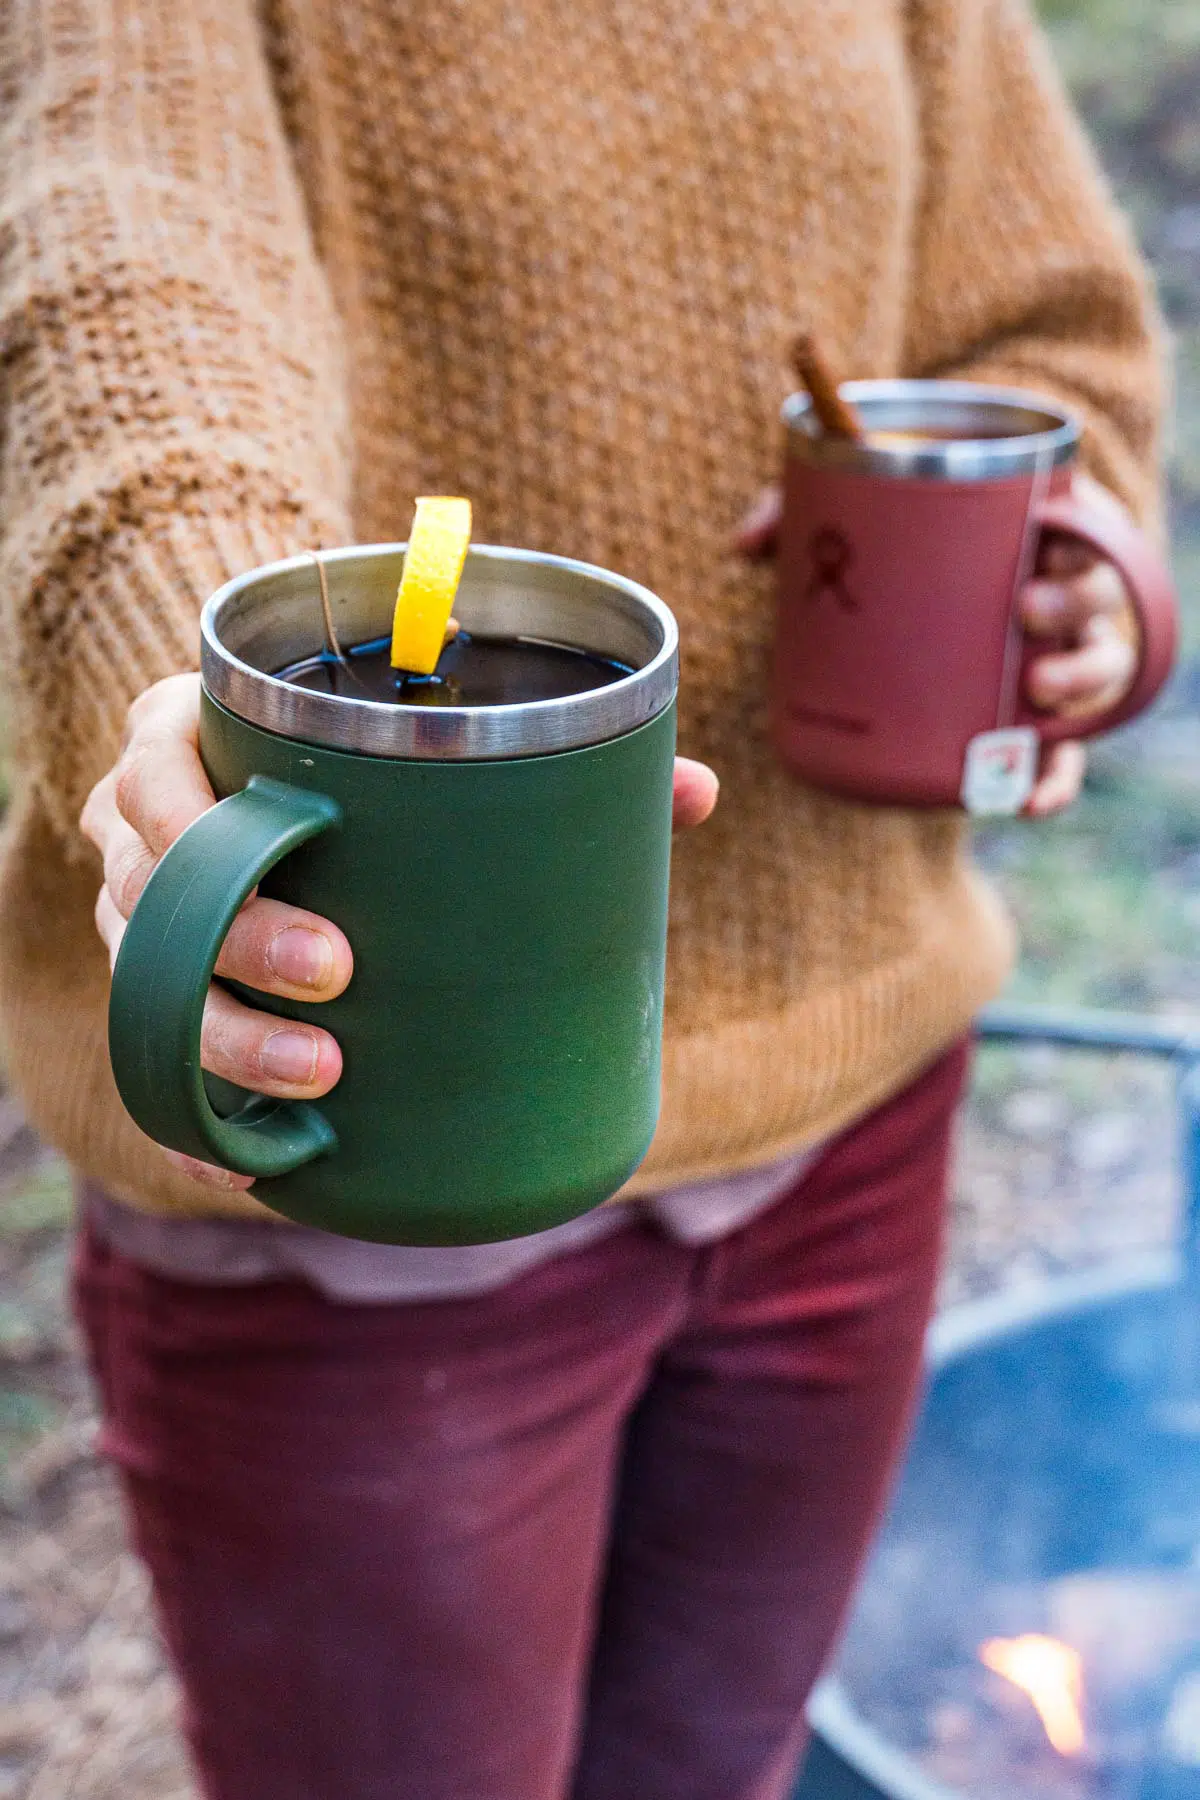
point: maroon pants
(591, 1535)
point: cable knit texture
(268, 270)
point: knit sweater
(269, 268)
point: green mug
(500, 871)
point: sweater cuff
(115, 607)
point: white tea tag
(999, 770)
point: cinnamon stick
(837, 417)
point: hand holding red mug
(1075, 597)
(959, 603)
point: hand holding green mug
(275, 948)
(135, 813)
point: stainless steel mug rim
(499, 578)
(1034, 432)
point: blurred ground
(1065, 1160)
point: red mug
(898, 673)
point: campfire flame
(1051, 1673)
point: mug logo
(832, 556)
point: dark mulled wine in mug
(472, 670)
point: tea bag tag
(999, 770)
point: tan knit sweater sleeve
(1024, 272)
(171, 395)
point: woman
(579, 1515)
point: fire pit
(1029, 1627)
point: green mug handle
(164, 968)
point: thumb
(696, 789)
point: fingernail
(290, 1056)
(301, 957)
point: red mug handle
(1152, 594)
